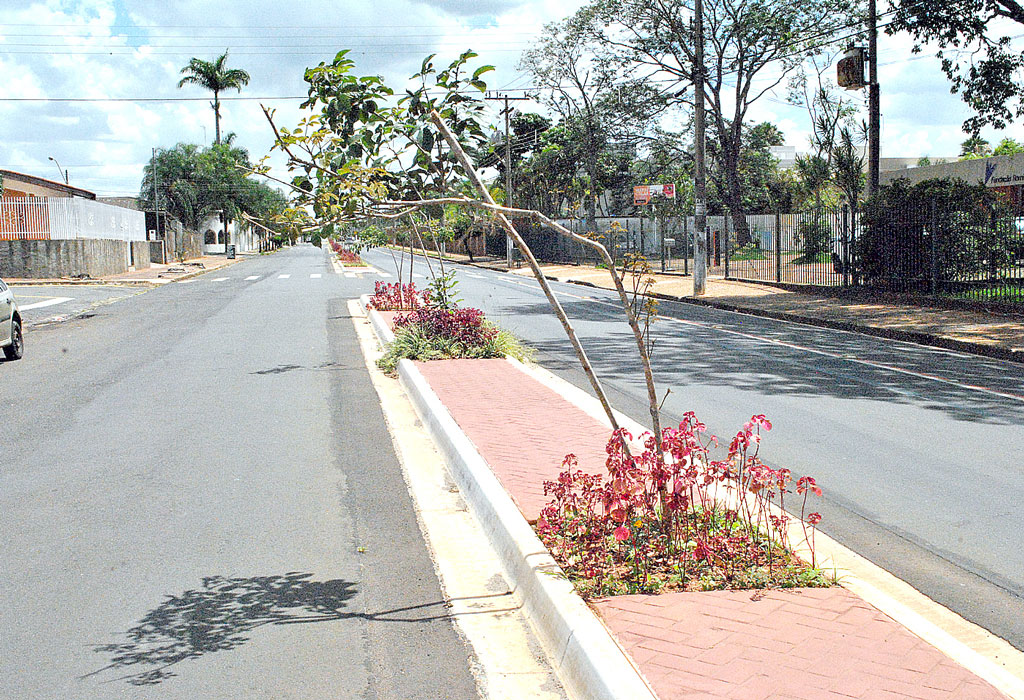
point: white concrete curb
(587, 659)
(382, 329)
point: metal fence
(957, 253)
(63, 218)
(972, 254)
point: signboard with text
(642, 194)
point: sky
(93, 83)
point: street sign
(642, 194)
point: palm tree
(213, 76)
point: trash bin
(231, 252)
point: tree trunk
(735, 197)
(216, 115)
(588, 203)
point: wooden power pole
(874, 113)
(509, 245)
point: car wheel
(16, 349)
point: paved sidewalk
(156, 273)
(500, 415)
(159, 273)
(805, 643)
(802, 644)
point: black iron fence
(973, 254)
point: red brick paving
(521, 428)
(803, 644)
(806, 644)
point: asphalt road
(200, 500)
(920, 451)
(41, 304)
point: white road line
(252, 277)
(794, 346)
(385, 274)
(350, 274)
(416, 274)
(315, 276)
(474, 275)
(218, 279)
(43, 304)
(283, 277)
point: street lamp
(60, 170)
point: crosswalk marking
(315, 276)
(350, 274)
(252, 277)
(219, 279)
(384, 274)
(44, 304)
(283, 277)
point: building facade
(1003, 174)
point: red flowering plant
(430, 332)
(466, 327)
(685, 522)
(344, 254)
(396, 296)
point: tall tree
(216, 77)
(192, 182)
(975, 147)
(592, 93)
(751, 46)
(973, 40)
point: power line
(147, 99)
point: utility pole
(509, 245)
(508, 180)
(874, 116)
(700, 250)
(156, 193)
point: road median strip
(570, 636)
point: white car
(11, 339)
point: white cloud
(133, 48)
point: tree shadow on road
(766, 357)
(219, 617)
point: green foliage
(751, 251)
(195, 181)
(443, 291)
(358, 145)
(974, 40)
(413, 342)
(743, 41)
(975, 147)
(216, 77)
(602, 109)
(1008, 147)
(815, 236)
(968, 226)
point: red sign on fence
(642, 194)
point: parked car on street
(11, 339)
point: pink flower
(622, 533)
(814, 518)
